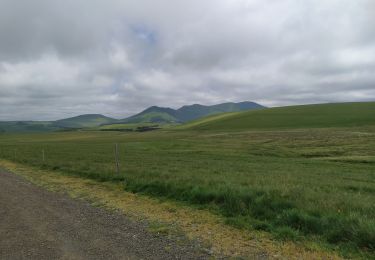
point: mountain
(83, 121)
(156, 114)
(291, 117)
(188, 113)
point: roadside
(168, 218)
(39, 224)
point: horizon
(122, 56)
(122, 118)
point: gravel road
(38, 224)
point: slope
(82, 121)
(305, 116)
(156, 114)
(153, 114)
(27, 126)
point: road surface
(38, 224)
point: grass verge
(202, 225)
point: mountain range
(184, 114)
(154, 114)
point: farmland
(305, 116)
(302, 181)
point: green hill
(27, 126)
(153, 114)
(188, 113)
(306, 116)
(156, 114)
(83, 121)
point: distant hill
(153, 115)
(27, 126)
(215, 118)
(306, 116)
(83, 121)
(156, 114)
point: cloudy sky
(117, 57)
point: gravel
(39, 224)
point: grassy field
(129, 126)
(301, 184)
(307, 116)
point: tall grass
(306, 116)
(301, 185)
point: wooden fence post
(117, 159)
(43, 156)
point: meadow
(301, 184)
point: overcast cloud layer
(117, 57)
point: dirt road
(38, 224)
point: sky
(117, 57)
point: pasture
(302, 184)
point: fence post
(43, 156)
(117, 159)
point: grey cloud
(28, 29)
(62, 58)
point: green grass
(312, 184)
(307, 116)
(123, 126)
(130, 126)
